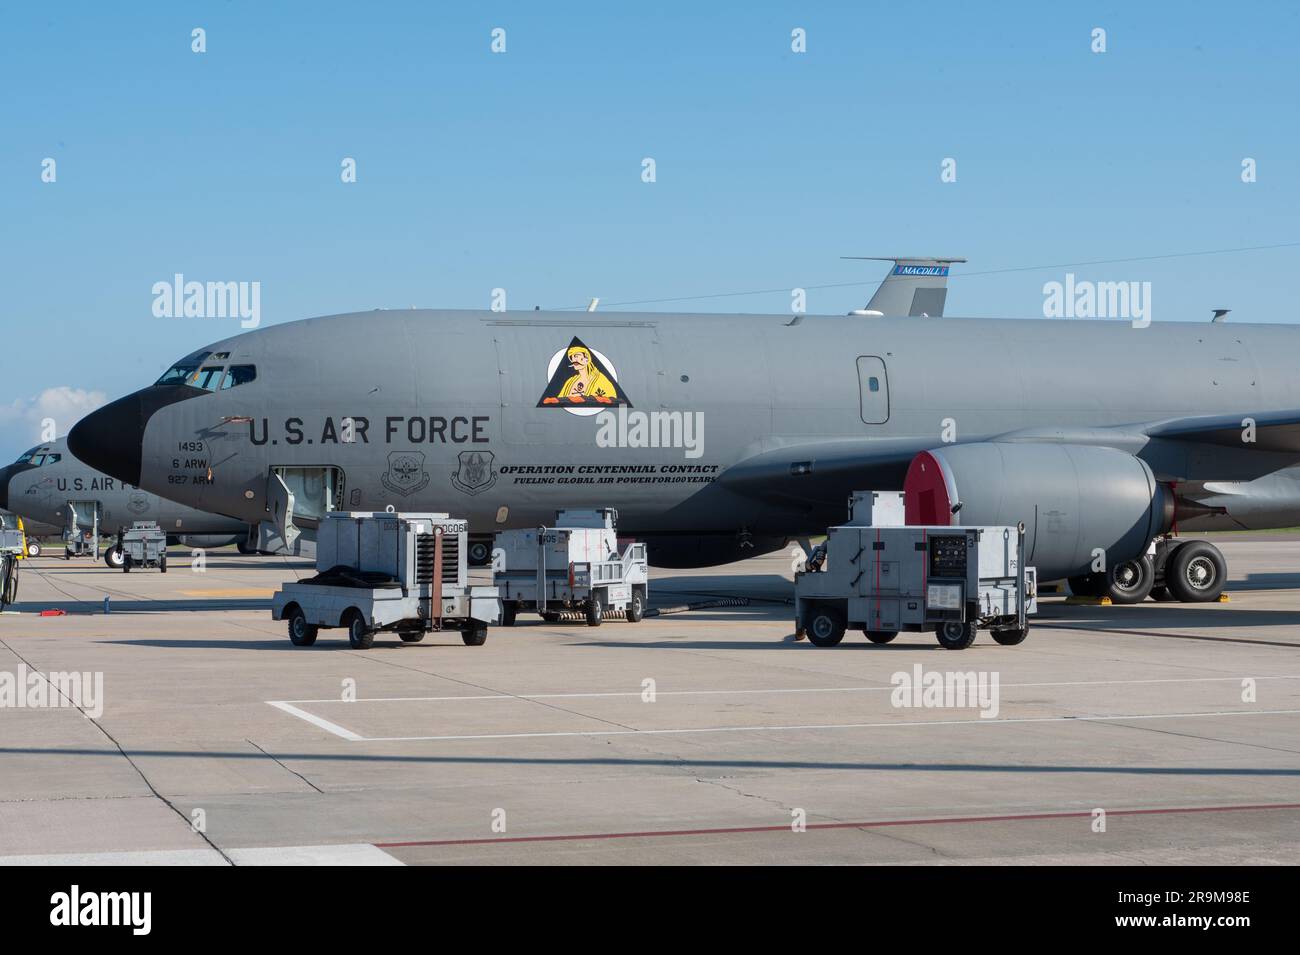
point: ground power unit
(949, 580)
(575, 565)
(388, 572)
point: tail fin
(916, 286)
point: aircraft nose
(5, 472)
(111, 439)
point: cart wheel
(474, 634)
(955, 635)
(162, 563)
(636, 607)
(114, 557)
(126, 563)
(880, 636)
(551, 617)
(595, 609)
(826, 626)
(301, 633)
(33, 549)
(508, 611)
(410, 636)
(1009, 638)
(359, 635)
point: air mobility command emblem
(405, 474)
(475, 473)
(582, 381)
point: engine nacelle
(1074, 499)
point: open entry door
(297, 499)
(81, 533)
(280, 502)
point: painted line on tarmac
(361, 853)
(820, 689)
(778, 728)
(877, 824)
(317, 721)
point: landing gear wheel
(410, 636)
(880, 636)
(478, 554)
(245, 548)
(1012, 637)
(954, 635)
(1086, 585)
(475, 634)
(359, 635)
(826, 626)
(301, 633)
(114, 557)
(33, 549)
(126, 564)
(1130, 581)
(636, 606)
(1196, 572)
(509, 609)
(595, 609)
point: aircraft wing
(1263, 431)
(813, 469)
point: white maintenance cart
(575, 565)
(950, 580)
(390, 572)
(144, 544)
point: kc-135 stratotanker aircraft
(49, 485)
(724, 436)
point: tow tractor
(387, 572)
(575, 565)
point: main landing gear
(1186, 570)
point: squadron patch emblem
(406, 473)
(475, 473)
(582, 381)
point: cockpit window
(37, 457)
(179, 373)
(208, 378)
(239, 375)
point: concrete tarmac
(1159, 733)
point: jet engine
(1074, 500)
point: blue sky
(522, 170)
